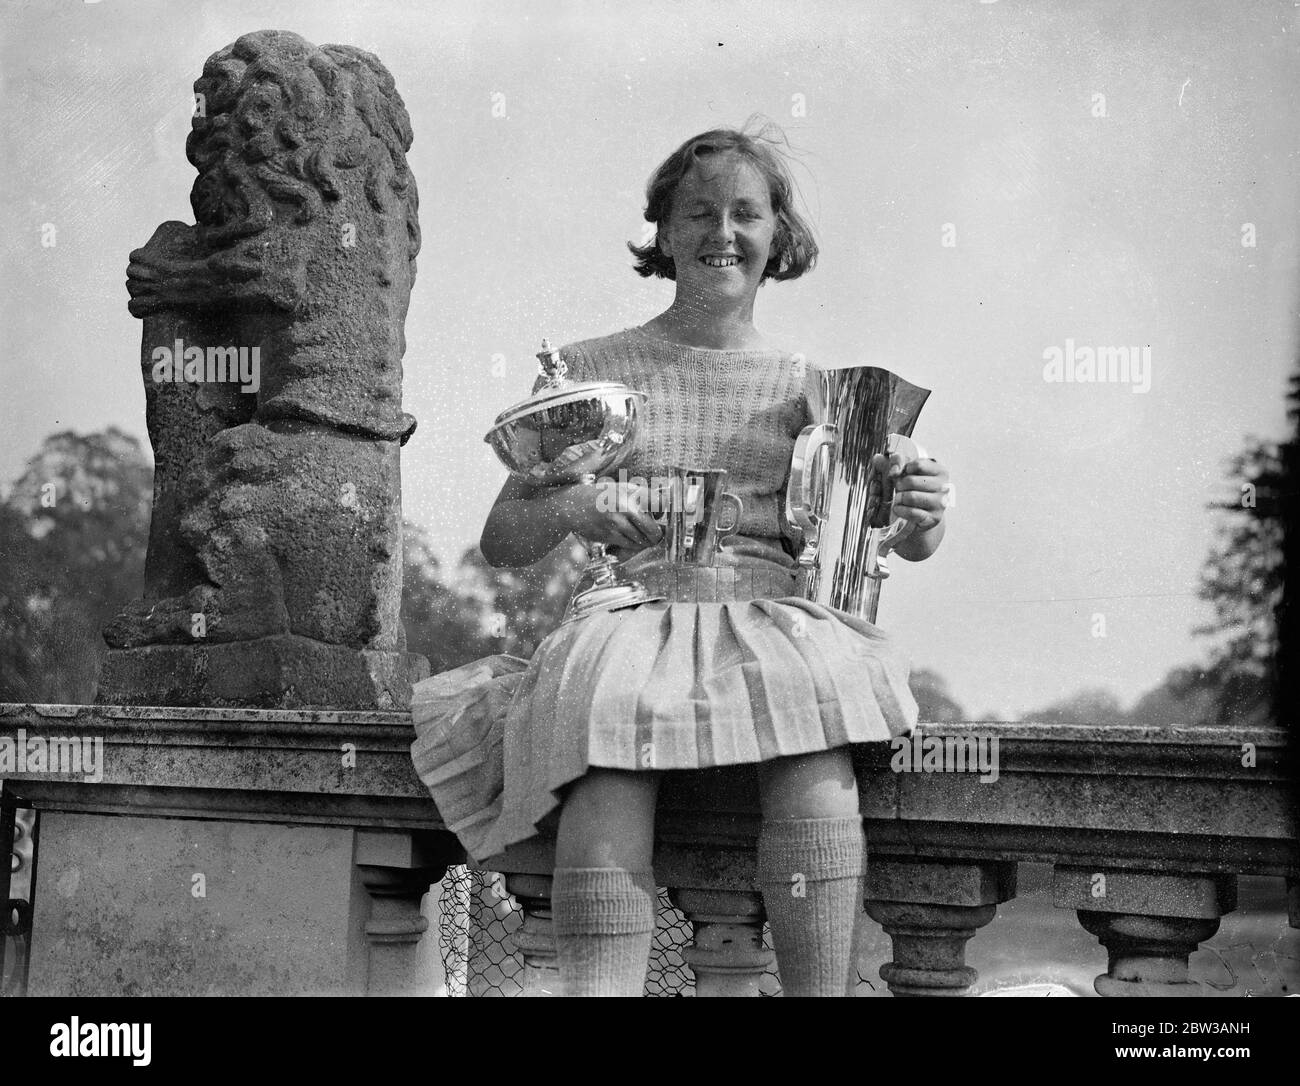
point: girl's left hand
(921, 489)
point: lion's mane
(279, 119)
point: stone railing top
(1134, 733)
(309, 765)
(1216, 735)
(1201, 799)
(84, 714)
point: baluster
(727, 953)
(396, 870)
(395, 927)
(930, 911)
(1150, 923)
(536, 939)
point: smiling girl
(733, 667)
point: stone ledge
(1163, 799)
(233, 805)
(316, 766)
(179, 714)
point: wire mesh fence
(478, 922)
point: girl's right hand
(609, 512)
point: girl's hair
(794, 250)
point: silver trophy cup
(695, 511)
(573, 432)
(838, 497)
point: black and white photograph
(664, 499)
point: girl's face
(720, 230)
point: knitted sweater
(734, 409)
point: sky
(988, 182)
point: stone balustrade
(1146, 829)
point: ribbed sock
(810, 870)
(603, 919)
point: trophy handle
(805, 493)
(726, 521)
(595, 550)
(730, 510)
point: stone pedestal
(285, 672)
(235, 852)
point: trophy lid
(571, 392)
(560, 390)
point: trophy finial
(554, 368)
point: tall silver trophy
(574, 432)
(836, 497)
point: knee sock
(810, 871)
(604, 918)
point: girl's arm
(523, 526)
(527, 522)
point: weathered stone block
(1151, 893)
(219, 908)
(940, 882)
(281, 672)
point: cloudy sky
(1095, 163)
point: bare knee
(608, 820)
(818, 785)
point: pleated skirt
(732, 668)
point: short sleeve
(814, 392)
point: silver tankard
(695, 512)
(841, 503)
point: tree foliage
(1242, 581)
(934, 701)
(1093, 705)
(73, 533)
(1244, 578)
(478, 611)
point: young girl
(734, 666)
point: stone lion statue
(274, 569)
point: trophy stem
(601, 565)
(610, 590)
